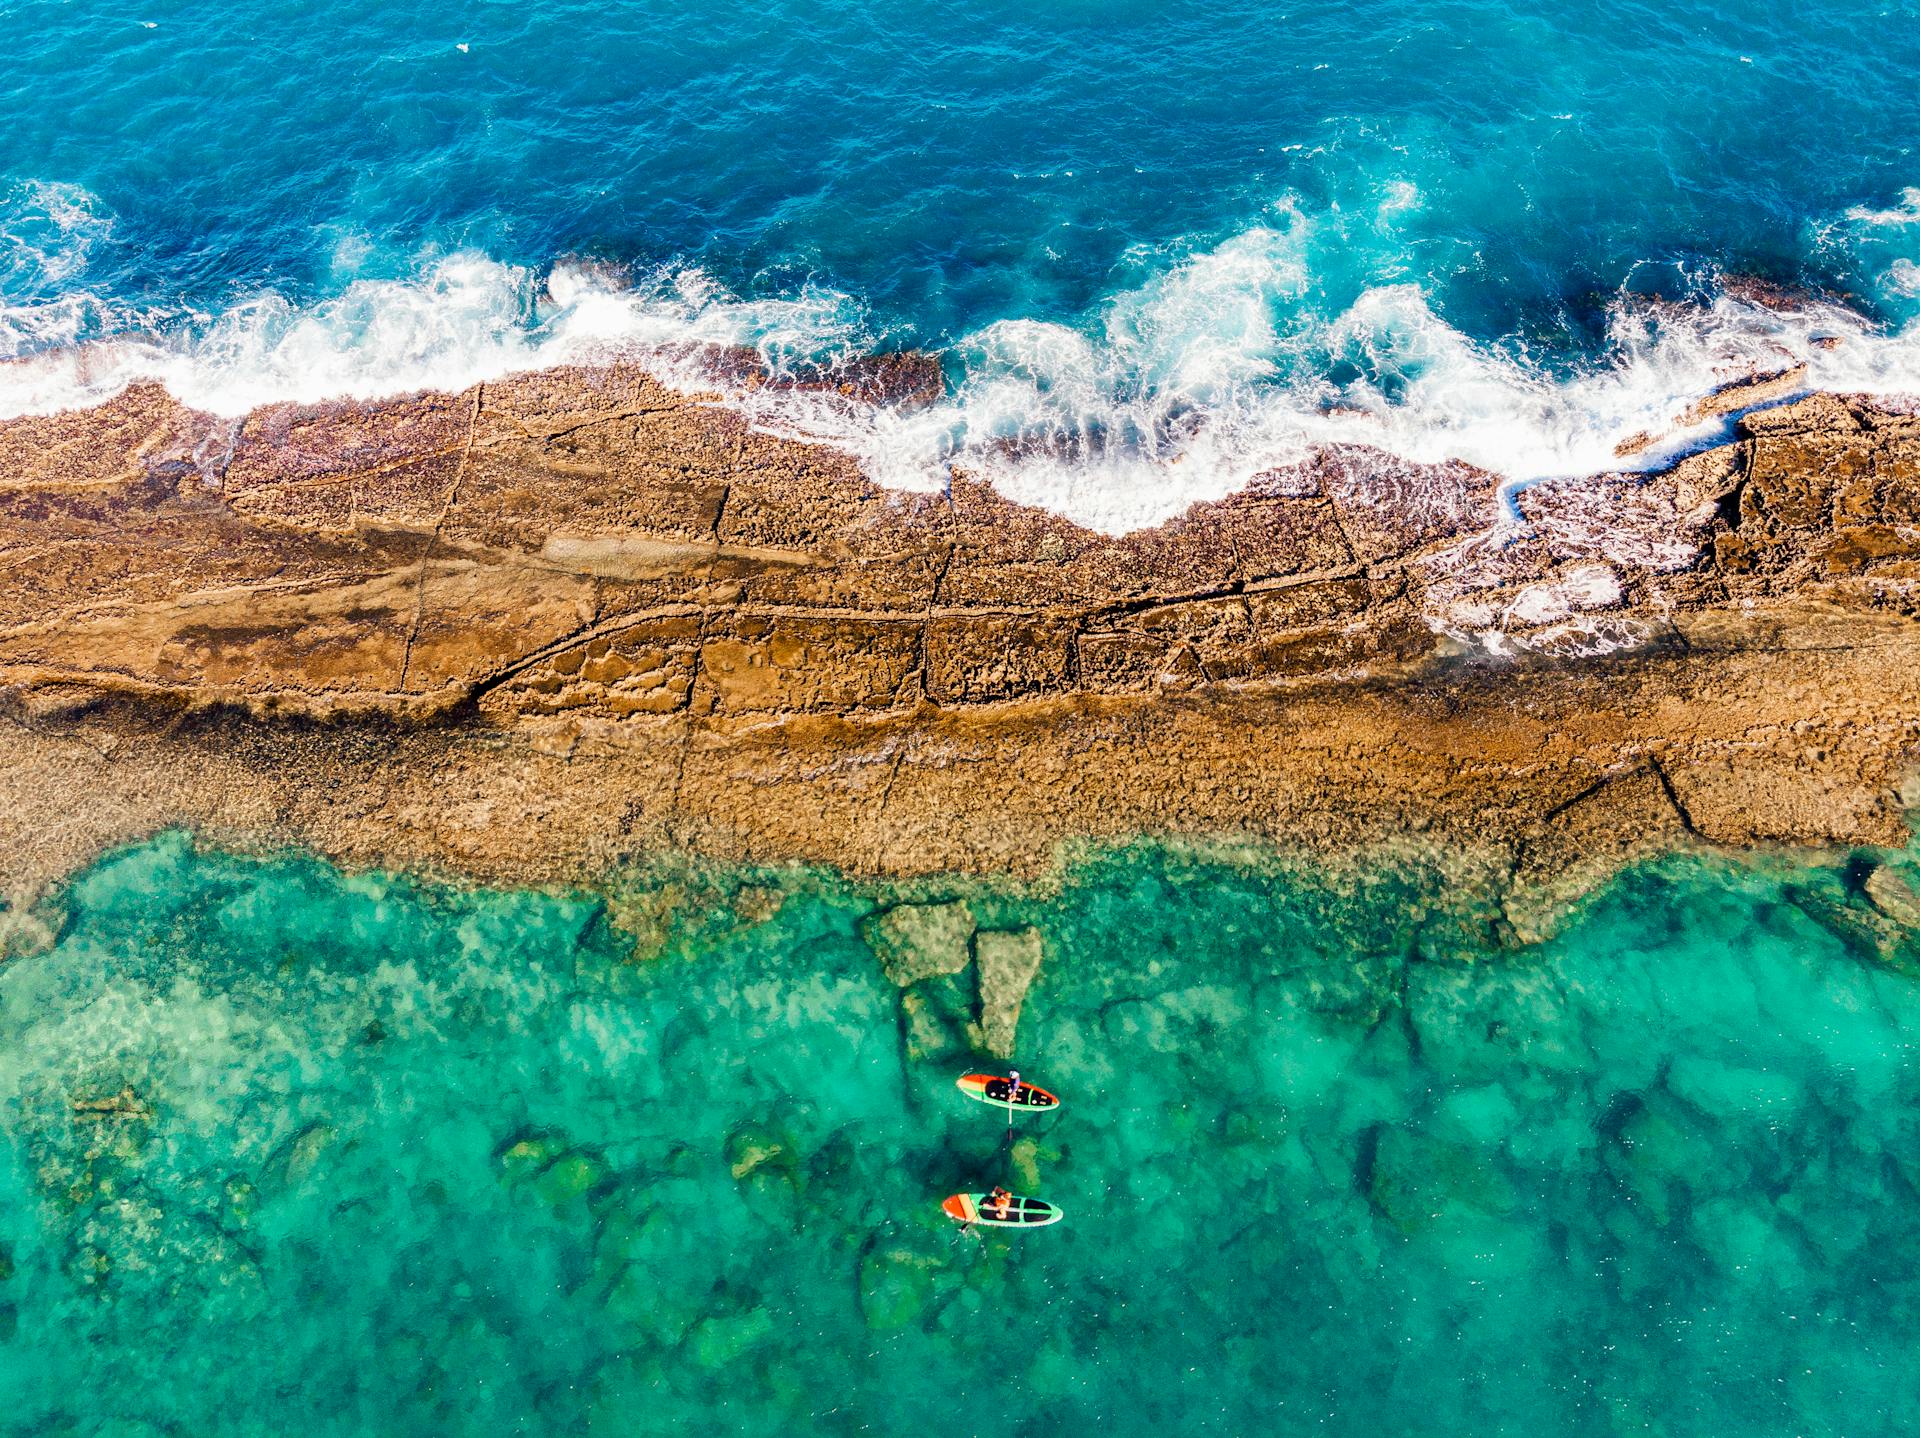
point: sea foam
(1220, 363)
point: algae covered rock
(1008, 963)
(915, 942)
(525, 1154)
(753, 1147)
(902, 1276)
(573, 1175)
(293, 1163)
(722, 1339)
(1418, 1179)
(929, 1026)
(552, 1168)
(1025, 1158)
(1891, 891)
(239, 1200)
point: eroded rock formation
(532, 630)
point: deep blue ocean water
(1137, 232)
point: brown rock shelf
(531, 631)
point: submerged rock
(720, 1340)
(524, 1155)
(1659, 1154)
(1892, 893)
(1008, 963)
(902, 1275)
(294, 1161)
(920, 941)
(1869, 928)
(574, 1175)
(239, 1200)
(753, 1147)
(552, 1168)
(1417, 1180)
(896, 1286)
(928, 1026)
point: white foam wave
(463, 319)
(48, 231)
(1220, 365)
(1906, 212)
(1193, 389)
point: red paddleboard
(1018, 1213)
(992, 1089)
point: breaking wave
(1215, 364)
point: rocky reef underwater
(293, 1150)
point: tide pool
(283, 1150)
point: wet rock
(901, 379)
(1745, 393)
(920, 941)
(1892, 892)
(779, 601)
(1008, 964)
(1597, 831)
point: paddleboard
(992, 1089)
(1020, 1212)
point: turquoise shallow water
(286, 1151)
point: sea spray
(1222, 365)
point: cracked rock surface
(527, 632)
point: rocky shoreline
(538, 631)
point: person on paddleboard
(1013, 1087)
(999, 1203)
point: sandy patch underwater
(290, 1150)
